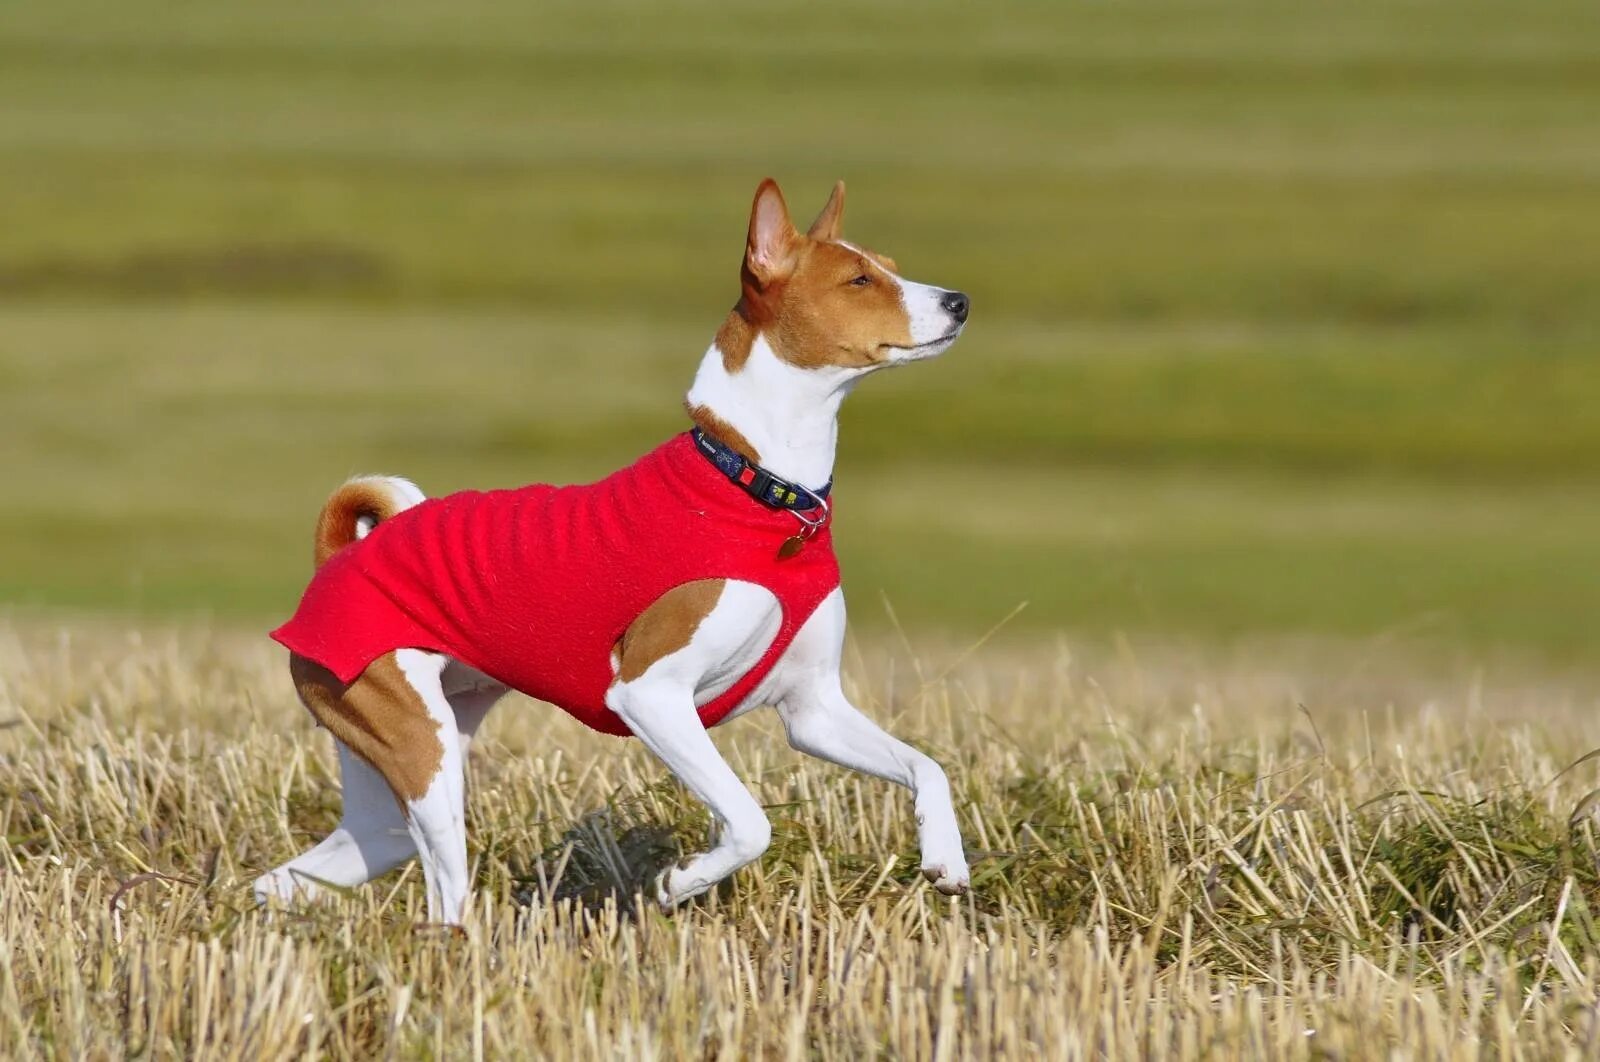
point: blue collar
(756, 481)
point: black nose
(956, 304)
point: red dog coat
(535, 586)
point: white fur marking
(437, 820)
(933, 330)
(789, 414)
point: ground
(1280, 854)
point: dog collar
(763, 486)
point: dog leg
(371, 839)
(692, 632)
(663, 716)
(471, 695)
(822, 722)
(437, 818)
(397, 721)
(828, 726)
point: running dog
(673, 595)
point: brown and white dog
(816, 315)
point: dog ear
(830, 223)
(769, 252)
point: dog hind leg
(396, 723)
(437, 815)
(371, 839)
(471, 695)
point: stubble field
(1178, 855)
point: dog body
(538, 586)
(746, 612)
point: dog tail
(357, 507)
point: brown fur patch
(714, 425)
(806, 305)
(336, 525)
(735, 338)
(823, 319)
(380, 716)
(666, 626)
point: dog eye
(861, 281)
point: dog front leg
(662, 714)
(821, 722)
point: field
(1172, 856)
(1240, 562)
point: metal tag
(790, 547)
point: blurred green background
(1285, 315)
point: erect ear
(770, 249)
(830, 223)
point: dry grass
(1172, 858)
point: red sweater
(534, 586)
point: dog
(680, 592)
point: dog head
(826, 304)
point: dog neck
(782, 417)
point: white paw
(269, 887)
(672, 888)
(664, 895)
(951, 878)
(282, 885)
(682, 882)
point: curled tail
(357, 507)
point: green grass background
(1285, 315)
